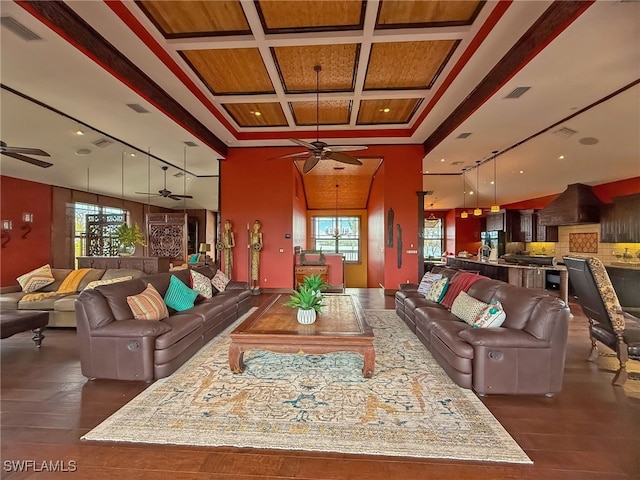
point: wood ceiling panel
(403, 13)
(270, 114)
(400, 110)
(228, 71)
(287, 16)
(338, 62)
(180, 19)
(332, 112)
(398, 65)
(354, 184)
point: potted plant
(127, 238)
(315, 283)
(308, 302)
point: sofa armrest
(407, 286)
(10, 289)
(501, 338)
(237, 286)
(131, 329)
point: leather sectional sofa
(61, 307)
(526, 355)
(114, 345)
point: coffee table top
(341, 317)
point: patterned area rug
(408, 408)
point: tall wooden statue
(255, 245)
(225, 246)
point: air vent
(16, 27)
(137, 108)
(459, 162)
(517, 92)
(464, 135)
(565, 132)
(189, 143)
(178, 175)
(102, 142)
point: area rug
(408, 408)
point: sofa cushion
(220, 281)
(492, 316)
(59, 274)
(121, 272)
(116, 296)
(467, 308)
(179, 296)
(518, 304)
(201, 284)
(438, 290)
(36, 279)
(427, 281)
(97, 283)
(181, 325)
(66, 303)
(447, 331)
(148, 305)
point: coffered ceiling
(223, 74)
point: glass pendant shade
(495, 208)
(477, 212)
(464, 214)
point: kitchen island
(529, 276)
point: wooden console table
(302, 271)
(149, 265)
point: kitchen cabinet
(526, 226)
(543, 233)
(620, 221)
(495, 222)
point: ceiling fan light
(477, 212)
(495, 208)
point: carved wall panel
(167, 235)
(101, 240)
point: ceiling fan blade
(149, 194)
(303, 143)
(290, 155)
(343, 158)
(32, 161)
(26, 151)
(347, 148)
(178, 197)
(309, 164)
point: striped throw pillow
(148, 305)
(36, 279)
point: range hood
(576, 205)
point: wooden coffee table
(340, 327)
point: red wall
(462, 233)
(253, 187)
(22, 255)
(377, 231)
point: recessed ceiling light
(133, 154)
(470, 192)
(442, 160)
(521, 171)
(79, 132)
(256, 113)
(385, 110)
(561, 157)
(492, 182)
(588, 141)
(83, 151)
(427, 171)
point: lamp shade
(477, 212)
(204, 247)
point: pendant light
(336, 230)
(432, 220)
(478, 211)
(464, 213)
(495, 207)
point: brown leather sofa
(116, 346)
(525, 355)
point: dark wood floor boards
(590, 431)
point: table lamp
(204, 248)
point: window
(433, 238)
(80, 212)
(346, 242)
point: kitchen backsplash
(607, 252)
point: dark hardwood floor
(591, 430)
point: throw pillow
(148, 305)
(36, 279)
(179, 296)
(438, 290)
(427, 281)
(492, 316)
(467, 308)
(201, 284)
(97, 283)
(220, 281)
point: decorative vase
(306, 317)
(126, 249)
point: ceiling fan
(20, 153)
(164, 192)
(319, 150)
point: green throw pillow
(179, 296)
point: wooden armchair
(608, 323)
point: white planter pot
(306, 317)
